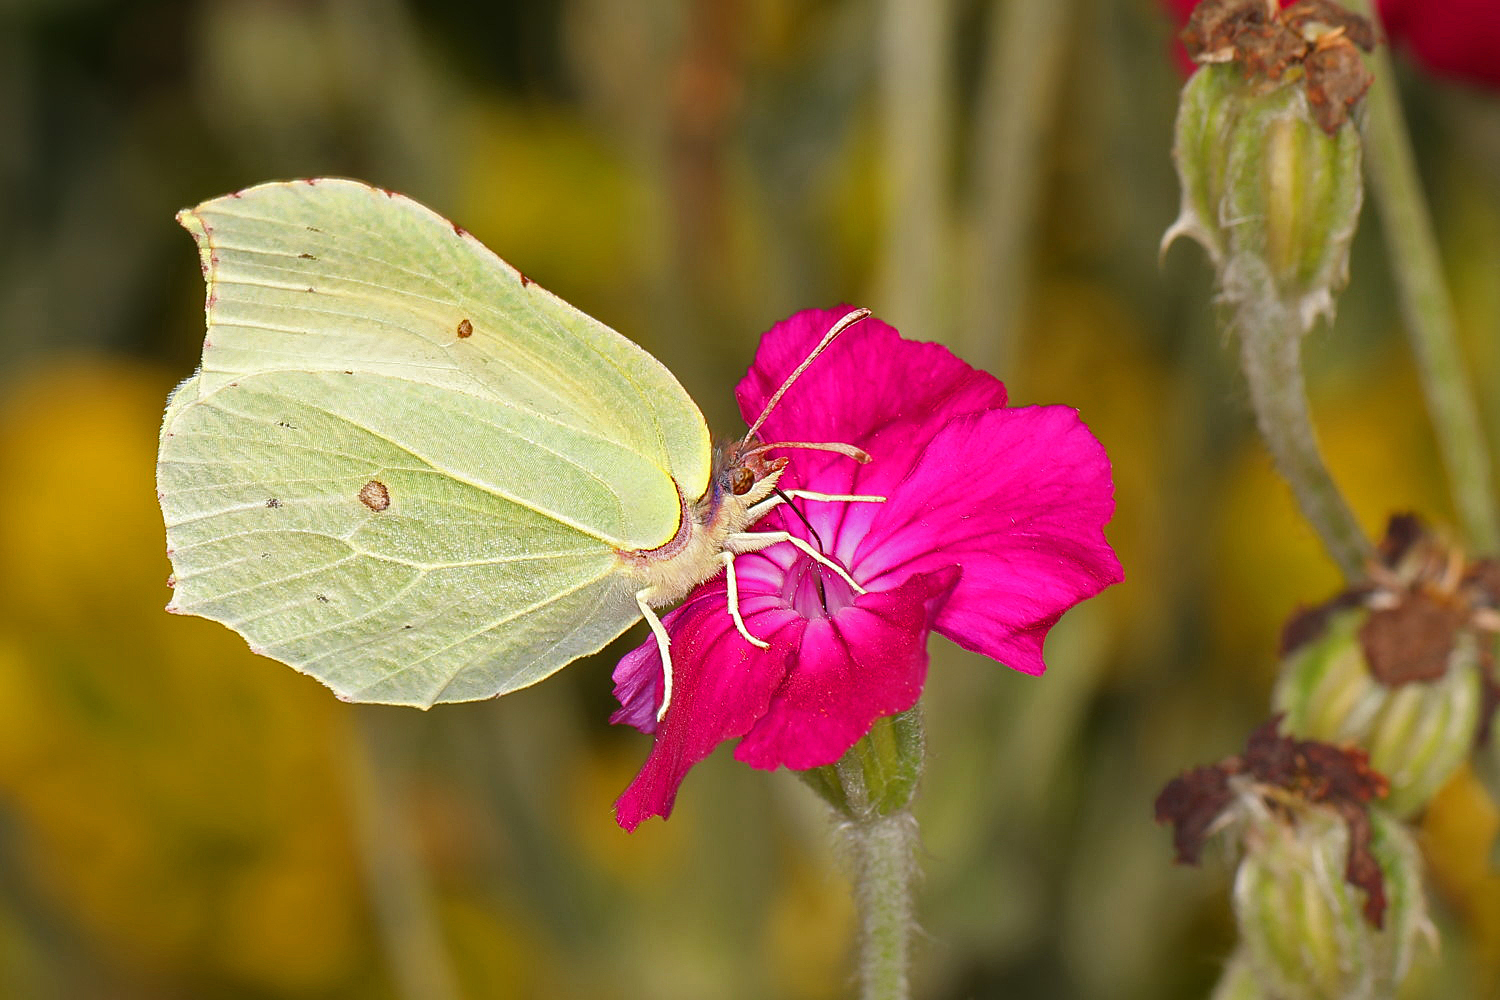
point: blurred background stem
(915, 99)
(1271, 356)
(394, 878)
(1417, 269)
(1017, 95)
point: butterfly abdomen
(694, 554)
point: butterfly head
(743, 475)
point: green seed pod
(1417, 732)
(879, 774)
(1487, 767)
(1271, 195)
(1238, 981)
(1304, 927)
(1205, 115)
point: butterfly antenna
(848, 320)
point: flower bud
(1238, 981)
(1328, 895)
(1417, 733)
(1303, 925)
(1268, 160)
(1487, 752)
(1396, 667)
(878, 775)
(1273, 198)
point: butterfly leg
(734, 602)
(783, 496)
(663, 646)
(754, 541)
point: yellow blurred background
(179, 818)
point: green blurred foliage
(181, 818)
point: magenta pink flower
(1454, 38)
(993, 527)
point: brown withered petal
(1215, 25)
(1307, 624)
(1361, 870)
(1269, 756)
(1336, 79)
(1267, 51)
(1191, 803)
(1309, 13)
(1413, 640)
(1320, 773)
(1331, 774)
(1402, 531)
(1482, 580)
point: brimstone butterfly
(409, 471)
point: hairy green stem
(883, 848)
(1426, 306)
(871, 788)
(915, 96)
(1271, 356)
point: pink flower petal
(867, 661)
(1457, 38)
(1018, 498)
(853, 390)
(720, 686)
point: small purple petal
(638, 682)
(865, 662)
(1018, 498)
(720, 686)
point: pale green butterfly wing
(334, 275)
(407, 519)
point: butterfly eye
(741, 481)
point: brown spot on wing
(374, 495)
(465, 328)
(273, 503)
(306, 256)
